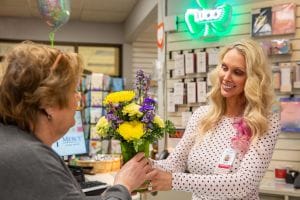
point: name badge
(227, 159)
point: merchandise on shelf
(290, 114)
(94, 88)
(117, 84)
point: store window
(4, 47)
(99, 59)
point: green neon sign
(209, 20)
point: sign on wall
(160, 35)
(210, 19)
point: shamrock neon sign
(210, 19)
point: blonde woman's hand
(160, 180)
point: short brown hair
(31, 81)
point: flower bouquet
(131, 118)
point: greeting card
(262, 21)
(280, 46)
(290, 114)
(284, 18)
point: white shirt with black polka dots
(200, 158)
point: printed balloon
(55, 12)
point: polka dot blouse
(194, 162)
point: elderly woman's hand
(134, 172)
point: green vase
(128, 150)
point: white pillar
(161, 79)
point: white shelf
(274, 187)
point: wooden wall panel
(144, 54)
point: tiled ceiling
(102, 11)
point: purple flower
(148, 117)
(142, 83)
(148, 105)
(140, 75)
(149, 101)
(113, 118)
(145, 108)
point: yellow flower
(102, 126)
(157, 120)
(131, 130)
(132, 110)
(121, 96)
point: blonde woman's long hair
(258, 91)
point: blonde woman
(228, 145)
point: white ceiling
(102, 11)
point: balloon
(55, 12)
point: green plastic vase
(128, 150)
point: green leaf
(137, 144)
(169, 127)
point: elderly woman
(38, 99)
